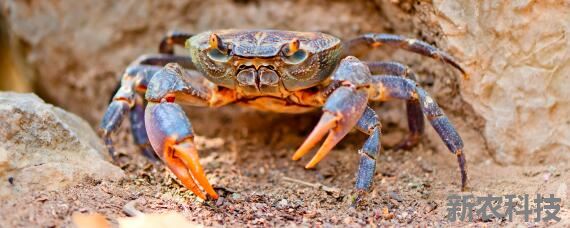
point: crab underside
(281, 71)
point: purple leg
(369, 124)
(401, 88)
(414, 113)
(128, 98)
(171, 39)
(412, 45)
(138, 129)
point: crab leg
(369, 124)
(172, 38)
(128, 99)
(413, 109)
(163, 59)
(412, 45)
(138, 129)
(401, 88)
(391, 68)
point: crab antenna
(216, 42)
(291, 47)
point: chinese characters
(463, 207)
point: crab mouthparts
(258, 78)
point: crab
(273, 70)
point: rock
(517, 55)
(43, 147)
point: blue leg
(414, 113)
(173, 38)
(412, 45)
(138, 129)
(391, 68)
(128, 99)
(401, 88)
(369, 124)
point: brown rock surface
(517, 53)
(43, 147)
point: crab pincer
(173, 141)
(170, 132)
(342, 111)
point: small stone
(395, 196)
(347, 220)
(236, 196)
(334, 219)
(282, 203)
(220, 201)
(386, 214)
(311, 214)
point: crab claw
(341, 113)
(182, 159)
(170, 134)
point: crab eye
(296, 58)
(292, 54)
(218, 51)
(217, 55)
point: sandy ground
(249, 164)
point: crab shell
(259, 54)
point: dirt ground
(249, 165)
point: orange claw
(329, 123)
(182, 159)
(331, 141)
(189, 155)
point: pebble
(311, 214)
(283, 203)
(395, 196)
(235, 196)
(220, 201)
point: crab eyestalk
(216, 43)
(292, 47)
